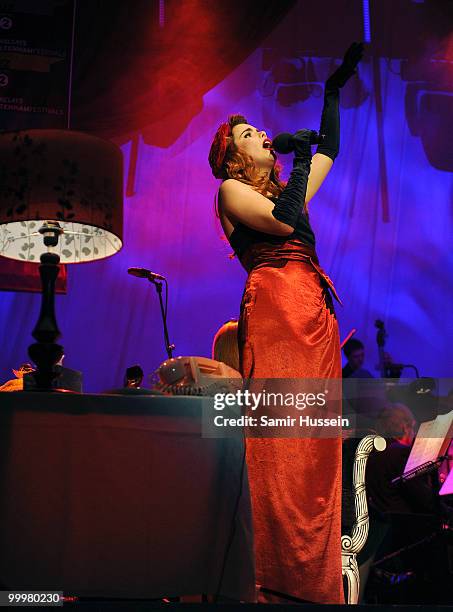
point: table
(120, 496)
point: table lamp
(61, 200)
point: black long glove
(292, 199)
(330, 118)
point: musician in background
(398, 425)
(354, 352)
(225, 346)
(401, 516)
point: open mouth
(267, 144)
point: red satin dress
(288, 329)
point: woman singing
(287, 329)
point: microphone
(284, 143)
(144, 273)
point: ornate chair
(352, 544)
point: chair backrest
(354, 521)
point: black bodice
(242, 237)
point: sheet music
(430, 441)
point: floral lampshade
(64, 176)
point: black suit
(415, 496)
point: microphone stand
(168, 347)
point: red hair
(227, 162)
(219, 148)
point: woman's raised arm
(328, 150)
(320, 168)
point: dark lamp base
(45, 353)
